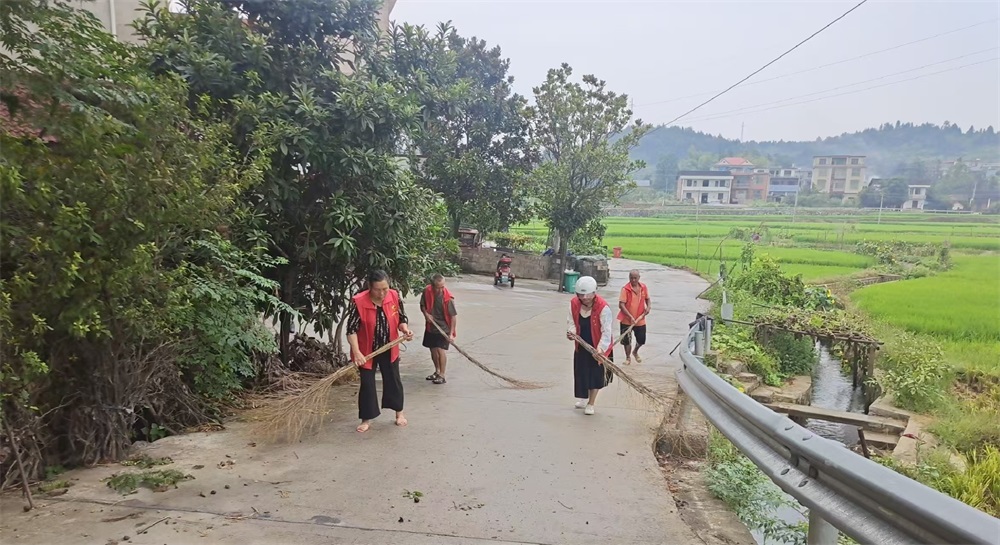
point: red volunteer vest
(366, 334)
(429, 306)
(595, 320)
(629, 294)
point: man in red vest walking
(438, 307)
(374, 319)
(590, 318)
(633, 305)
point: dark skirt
(433, 339)
(588, 374)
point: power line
(713, 117)
(776, 59)
(865, 55)
(742, 108)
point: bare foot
(628, 361)
(363, 427)
(637, 358)
(401, 420)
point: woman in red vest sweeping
(438, 306)
(374, 319)
(591, 319)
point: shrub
(795, 356)
(913, 371)
(513, 241)
(738, 344)
(735, 480)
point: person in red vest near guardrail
(590, 318)
(633, 304)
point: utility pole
(881, 199)
(742, 126)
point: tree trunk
(338, 342)
(287, 297)
(563, 256)
(553, 241)
(456, 224)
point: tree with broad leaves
(305, 84)
(121, 304)
(585, 133)
(473, 146)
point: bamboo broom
(640, 387)
(513, 382)
(291, 417)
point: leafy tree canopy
(473, 142)
(585, 164)
(306, 86)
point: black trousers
(392, 388)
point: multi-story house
(783, 189)
(749, 183)
(704, 186)
(803, 175)
(760, 184)
(842, 176)
(917, 197)
(734, 165)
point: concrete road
(492, 464)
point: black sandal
(432, 376)
(440, 380)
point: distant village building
(749, 183)
(704, 186)
(783, 189)
(917, 197)
(642, 183)
(975, 165)
(841, 176)
(803, 175)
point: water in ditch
(831, 389)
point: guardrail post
(821, 532)
(708, 336)
(699, 343)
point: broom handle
(386, 347)
(447, 336)
(593, 351)
(623, 335)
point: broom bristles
(517, 384)
(638, 386)
(304, 412)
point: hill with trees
(667, 149)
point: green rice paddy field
(960, 307)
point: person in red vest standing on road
(438, 307)
(590, 318)
(633, 305)
(374, 319)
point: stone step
(750, 381)
(883, 441)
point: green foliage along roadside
(120, 300)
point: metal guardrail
(844, 492)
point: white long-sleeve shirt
(607, 320)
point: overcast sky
(657, 51)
